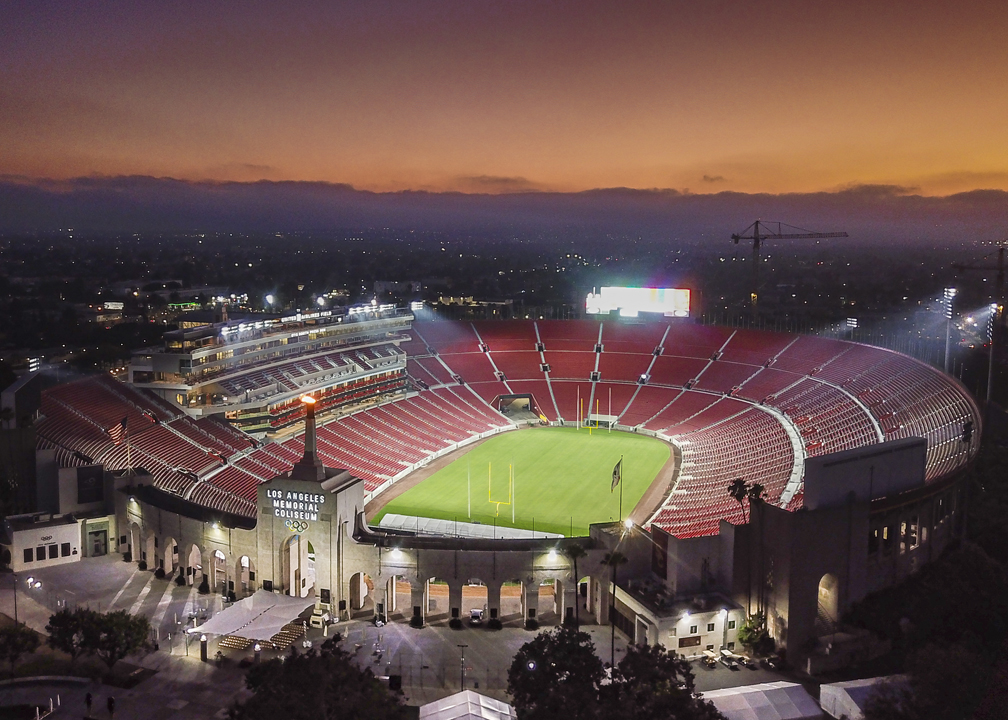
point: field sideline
(562, 476)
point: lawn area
(561, 476)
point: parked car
(728, 660)
(710, 660)
(773, 662)
(475, 617)
(747, 661)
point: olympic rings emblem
(297, 526)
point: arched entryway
(475, 598)
(170, 558)
(297, 563)
(150, 554)
(194, 565)
(397, 599)
(828, 600)
(134, 542)
(361, 595)
(245, 575)
(218, 572)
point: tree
(66, 631)
(942, 683)
(317, 685)
(655, 683)
(15, 641)
(738, 491)
(556, 674)
(753, 634)
(574, 552)
(115, 635)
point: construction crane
(1000, 267)
(760, 231)
(996, 310)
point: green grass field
(562, 475)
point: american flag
(118, 431)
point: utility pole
(462, 648)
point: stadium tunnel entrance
(521, 406)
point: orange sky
(491, 96)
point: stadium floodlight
(552, 554)
(321, 301)
(628, 524)
(396, 554)
(307, 399)
(270, 299)
(949, 296)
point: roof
(467, 704)
(848, 698)
(767, 701)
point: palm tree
(575, 551)
(738, 490)
(613, 559)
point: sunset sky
(480, 96)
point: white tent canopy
(467, 705)
(257, 617)
(847, 699)
(767, 701)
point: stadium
(501, 438)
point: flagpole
(610, 410)
(578, 407)
(468, 488)
(621, 488)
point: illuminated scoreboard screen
(631, 301)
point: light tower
(950, 294)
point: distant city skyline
(494, 97)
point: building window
(874, 538)
(731, 646)
(692, 629)
(40, 552)
(53, 551)
(65, 550)
(710, 627)
(28, 555)
(672, 632)
(731, 624)
(709, 647)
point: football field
(556, 478)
